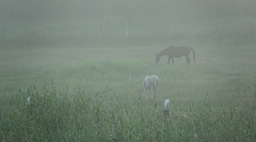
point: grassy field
(85, 94)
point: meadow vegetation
(91, 94)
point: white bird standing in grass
(166, 109)
(29, 100)
(151, 83)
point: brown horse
(176, 51)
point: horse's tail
(194, 54)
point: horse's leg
(151, 92)
(172, 60)
(155, 92)
(187, 59)
(169, 58)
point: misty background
(36, 23)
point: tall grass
(87, 94)
(74, 114)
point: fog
(46, 22)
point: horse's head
(157, 58)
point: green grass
(83, 94)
